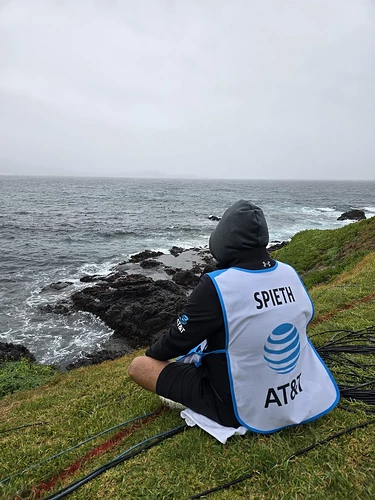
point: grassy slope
(320, 255)
(85, 401)
(19, 375)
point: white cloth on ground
(218, 431)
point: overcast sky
(281, 89)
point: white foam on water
(58, 338)
(102, 269)
(320, 213)
(326, 209)
(165, 245)
(55, 338)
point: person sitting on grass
(256, 366)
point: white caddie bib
(277, 378)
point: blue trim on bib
(213, 274)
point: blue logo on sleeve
(181, 321)
(184, 319)
(282, 349)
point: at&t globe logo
(282, 348)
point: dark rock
(176, 251)
(118, 281)
(146, 254)
(121, 268)
(187, 279)
(353, 215)
(59, 285)
(61, 307)
(276, 245)
(134, 306)
(208, 259)
(209, 268)
(149, 263)
(170, 270)
(114, 277)
(197, 269)
(14, 352)
(214, 217)
(138, 308)
(90, 278)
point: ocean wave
(101, 269)
(116, 233)
(326, 209)
(59, 339)
(320, 211)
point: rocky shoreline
(138, 300)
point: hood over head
(243, 227)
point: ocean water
(59, 228)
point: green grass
(86, 401)
(321, 255)
(20, 375)
(83, 402)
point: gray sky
(279, 89)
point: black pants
(190, 386)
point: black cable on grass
(355, 410)
(294, 455)
(34, 466)
(368, 328)
(345, 355)
(360, 349)
(126, 455)
(23, 427)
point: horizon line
(184, 177)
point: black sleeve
(201, 317)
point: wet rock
(14, 352)
(137, 307)
(175, 251)
(90, 278)
(214, 217)
(134, 306)
(60, 307)
(187, 259)
(353, 215)
(170, 270)
(209, 268)
(276, 245)
(59, 285)
(149, 263)
(187, 279)
(146, 254)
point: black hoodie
(239, 240)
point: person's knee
(145, 371)
(136, 367)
